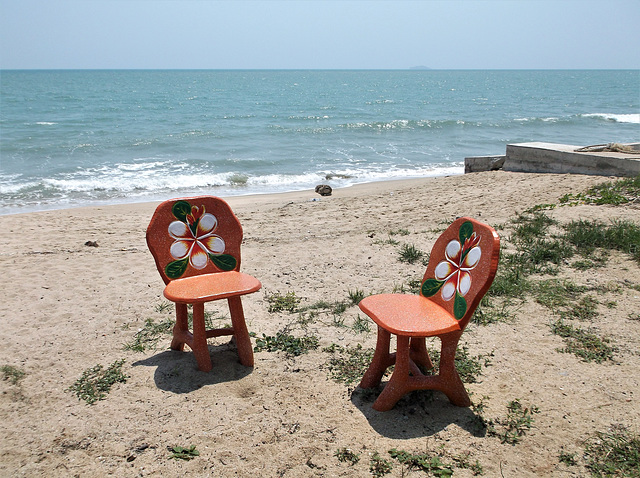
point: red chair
(196, 245)
(461, 268)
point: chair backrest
(192, 236)
(462, 266)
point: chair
(196, 245)
(461, 268)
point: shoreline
(250, 198)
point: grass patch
(585, 309)
(181, 453)
(348, 365)
(410, 254)
(614, 453)
(355, 296)
(469, 368)
(568, 459)
(557, 294)
(149, 335)
(346, 455)
(378, 466)
(362, 325)
(488, 312)
(278, 302)
(583, 343)
(518, 422)
(423, 462)
(12, 374)
(621, 191)
(287, 343)
(586, 235)
(96, 382)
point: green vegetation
(487, 313)
(519, 420)
(568, 459)
(181, 453)
(583, 343)
(623, 236)
(361, 325)
(378, 466)
(149, 335)
(614, 453)
(468, 367)
(621, 191)
(355, 296)
(410, 254)
(288, 302)
(422, 462)
(287, 343)
(348, 365)
(96, 382)
(12, 374)
(346, 455)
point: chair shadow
(177, 371)
(418, 414)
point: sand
(67, 307)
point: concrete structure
(560, 158)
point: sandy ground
(67, 307)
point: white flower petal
(443, 270)
(178, 230)
(452, 250)
(199, 259)
(180, 249)
(214, 244)
(207, 224)
(465, 283)
(448, 290)
(472, 258)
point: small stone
(324, 190)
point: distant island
(421, 67)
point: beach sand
(67, 307)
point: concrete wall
(557, 158)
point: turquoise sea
(77, 138)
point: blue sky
(453, 34)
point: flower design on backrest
(453, 275)
(195, 242)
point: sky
(311, 34)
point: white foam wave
(617, 118)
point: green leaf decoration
(180, 210)
(224, 262)
(459, 307)
(466, 229)
(431, 286)
(175, 269)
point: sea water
(78, 138)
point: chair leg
(450, 381)
(419, 354)
(200, 347)
(181, 328)
(398, 385)
(381, 360)
(240, 332)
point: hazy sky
(346, 34)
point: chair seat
(209, 287)
(409, 315)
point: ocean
(92, 137)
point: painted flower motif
(195, 242)
(453, 275)
(455, 269)
(195, 238)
